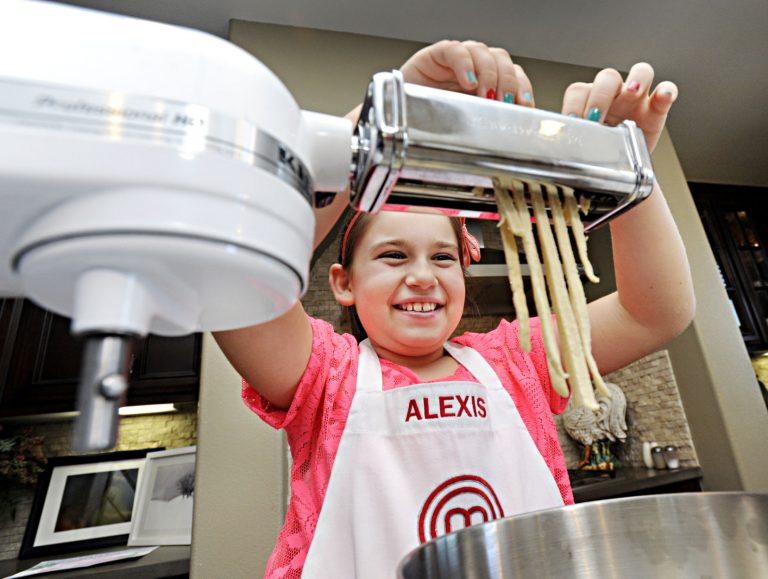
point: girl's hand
(470, 67)
(611, 100)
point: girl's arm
(654, 301)
(272, 356)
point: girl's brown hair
(354, 230)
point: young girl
(408, 435)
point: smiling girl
(410, 433)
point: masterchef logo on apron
(457, 503)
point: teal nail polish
(509, 98)
(594, 114)
(574, 115)
(471, 76)
(527, 97)
(669, 93)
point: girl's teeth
(418, 307)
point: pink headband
(346, 235)
(470, 251)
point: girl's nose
(420, 274)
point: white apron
(420, 461)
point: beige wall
(239, 486)
(240, 463)
(718, 386)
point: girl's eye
(392, 255)
(445, 257)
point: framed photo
(83, 502)
(162, 513)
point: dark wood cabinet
(40, 364)
(165, 367)
(736, 221)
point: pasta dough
(562, 281)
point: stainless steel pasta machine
(417, 146)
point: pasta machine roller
(420, 146)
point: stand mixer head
(152, 179)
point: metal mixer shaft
(103, 386)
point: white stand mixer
(152, 179)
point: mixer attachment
(420, 146)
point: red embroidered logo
(458, 503)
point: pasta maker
(420, 146)
(156, 179)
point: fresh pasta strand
(556, 374)
(570, 340)
(575, 289)
(562, 282)
(573, 219)
(508, 226)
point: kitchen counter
(165, 562)
(631, 481)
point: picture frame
(162, 513)
(83, 502)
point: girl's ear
(341, 285)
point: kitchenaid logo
(289, 161)
(445, 407)
(133, 114)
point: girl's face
(406, 282)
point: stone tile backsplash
(654, 413)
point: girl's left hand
(472, 68)
(610, 100)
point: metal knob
(114, 386)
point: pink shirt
(315, 421)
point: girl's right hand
(472, 68)
(610, 99)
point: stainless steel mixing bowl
(696, 535)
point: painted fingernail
(633, 86)
(669, 93)
(509, 98)
(594, 114)
(471, 76)
(574, 115)
(527, 97)
(491, 94)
